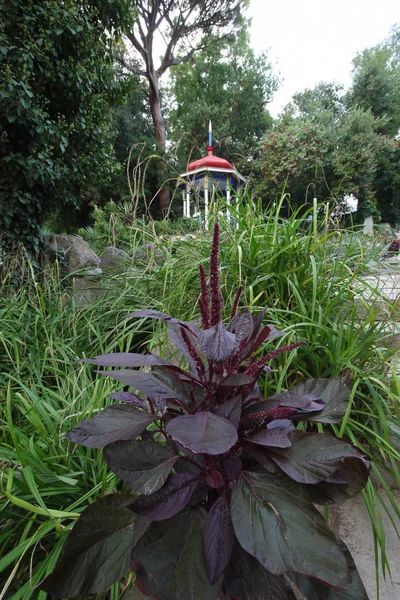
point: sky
(315, 40)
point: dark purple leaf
(217, 344)
(171, 560)
(96, 552)
(129, 398)
(143, 465)
(275, 522)
(175, 335)
(246, 579)
(116, 422)
(315, 590)
(215, 479)
(232, 467)
(313, 457)
(231, 410)
(144, 382)
(218, 538)
(203, 433)
(273, 436)
(262, 457)
(303, 403)
(140, 527)
(125, 359)
(148, 313)
(333, 391)
(354, 471)
(237, 380)
(170, 499)
(190, 391)
(242, 325)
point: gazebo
(207, 178)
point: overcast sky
(315, 40)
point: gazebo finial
(210, 133)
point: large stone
(114, 260)
(72, 251)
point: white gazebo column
(184, 202)
(206, 201)
(188, 200)
(228, 199)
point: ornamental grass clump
(224, 481)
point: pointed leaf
(96, 552)
(148, 313)
(143, 465)
(217, 344)
(215, 479)
(125, 359)
(315, 590)
(275, 522)
(313, 457)
(273, 436)
(170, 499)
(203, 433)
(172, 560)
(218, 538)
(116, 422)
(144, 382)
(333, 391)
(232, 467)
(242, 325)
(355, 473)
(175, 335)
(129, 398)
(246, 579)
(231, 410)
(303, 403)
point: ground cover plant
(224, 482)
(307, 278)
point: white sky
(315, 40)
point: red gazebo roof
(211, 161)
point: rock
(71, 250)
(114, 260)
(149, 253)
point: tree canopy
(56, 87)
(228, 84)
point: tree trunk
(160, 135)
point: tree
(57, 83)
(228, 84)
(186, 26)
(321, 148)
(376, 86)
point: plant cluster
(224, 480)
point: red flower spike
(215, 293)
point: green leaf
(276, 523)
(172, 561)
(97, 550)
(143, 465)
(246, 579)
(333, 391)
(116, 422)
(313, 457)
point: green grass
(309, 278)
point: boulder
(114, 260)
(72, 251)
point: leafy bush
(226, 480)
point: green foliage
(320, 148)
(227, 84)
(57, 84)
(376, 86)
